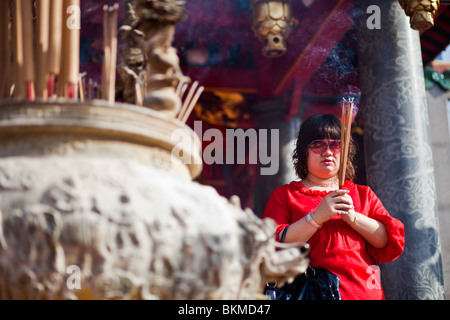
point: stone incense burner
(93, 206)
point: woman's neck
(314, 182)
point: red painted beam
(434, 40)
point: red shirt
(336, 246)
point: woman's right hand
(337, 202)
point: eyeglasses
(320, 146)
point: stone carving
(129, 239)
(132, 69)
(99, 222)
(157, 20)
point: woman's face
(323, 163)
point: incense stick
(347, 138)
(73, 50)
(55, 44)
(5, 50)
(81, 87)
(28, 51)
(89, 91)
(42, 47)
(106, 52)
(97, 91)
(187, 100)
(178, 88)
(183, 90)
(110, 22)
(19, 82)
(192, 104)
(114, 11)
(346, 123)
(63, 79)
(138, 94)
(342, 143)
(190, 101)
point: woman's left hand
(350, 215)
(372, 230)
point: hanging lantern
(421, 12)
(272, 24)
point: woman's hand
(350, 216)
(337, 202)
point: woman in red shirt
(349, 230)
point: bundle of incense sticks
(39, 53)
(45, 53)
(190, 100)
(346, 126)
(110, 16)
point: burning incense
(341, 179)
(348, 131)
(346, 124)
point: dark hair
(317, 127)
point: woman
(349, 230)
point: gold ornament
(421, 12)
(272, 24)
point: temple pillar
(270, 115)
(398, 151)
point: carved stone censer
(93, 206)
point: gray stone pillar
(397, 147)
(270, 115)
